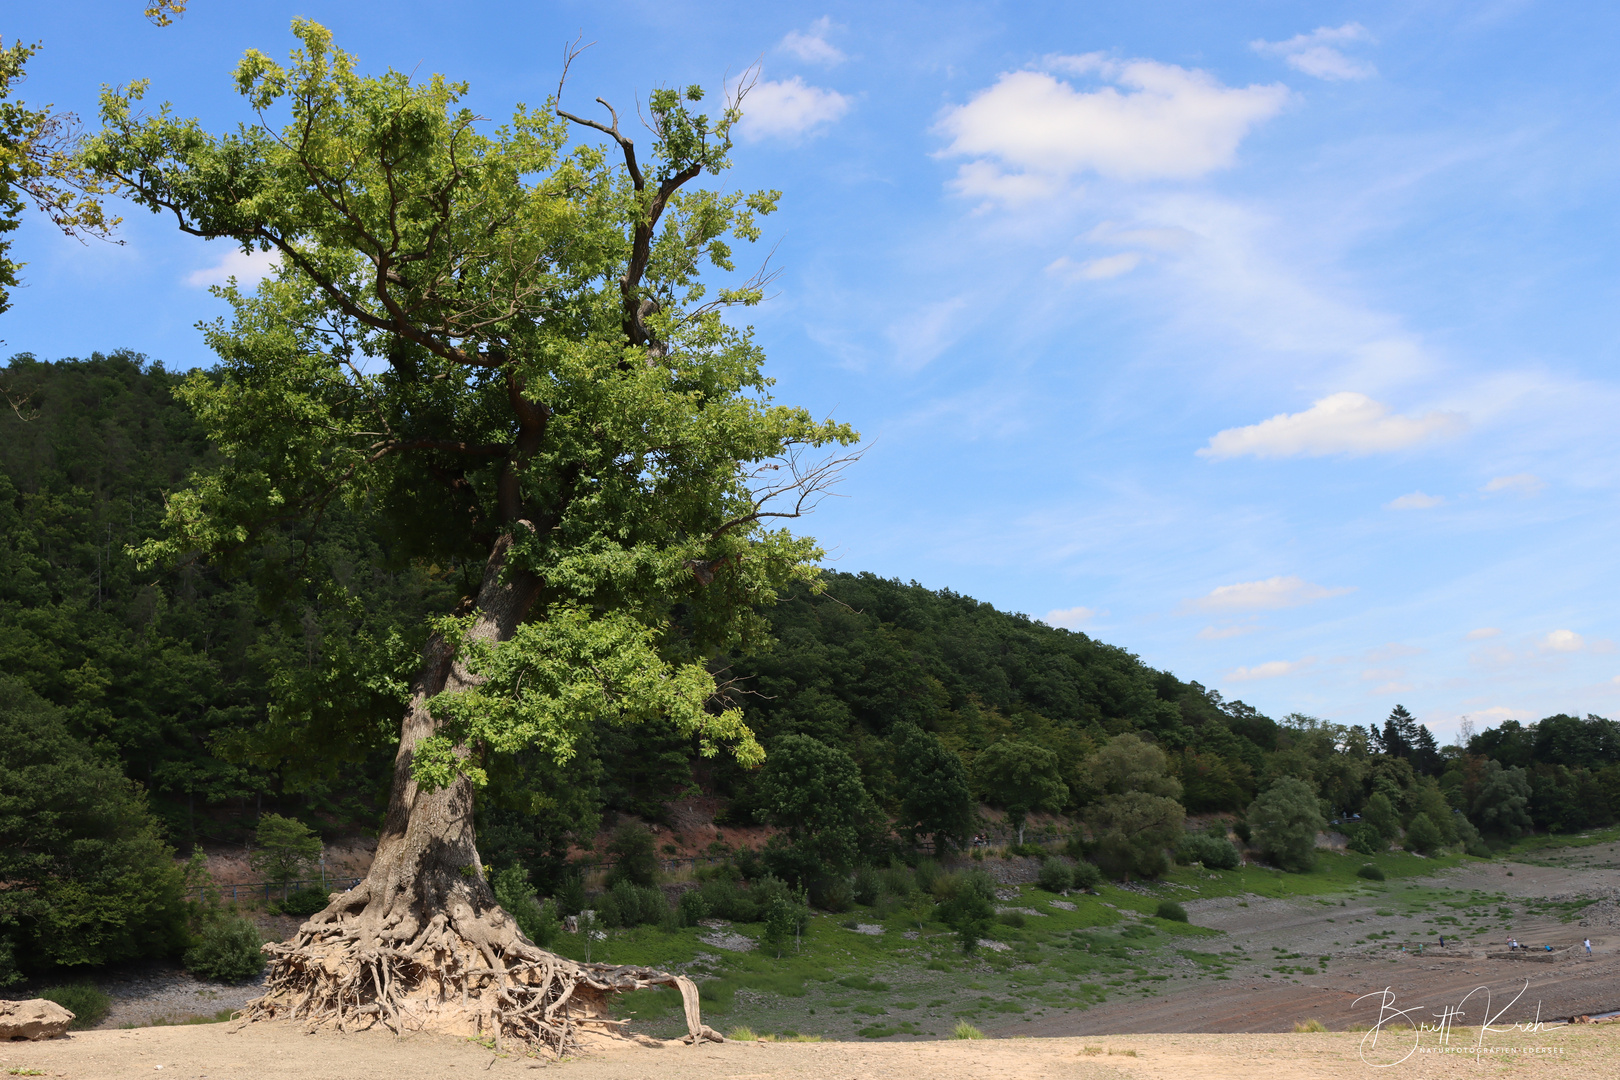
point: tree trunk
(421, 944)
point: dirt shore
(283, 1052)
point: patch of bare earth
(281, 1051)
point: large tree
(498, 347)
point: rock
(35, 1019)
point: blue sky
(1273, 342)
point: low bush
(1034, 850)
(537, 920)
(965, 1030)
(1371, 872)
(867, 886)
(926, 874)
(691, 908)
(85, 1001)
(1311, 1026)
(726, 901)
(1367, 840)
(1214, 852)
(832, 894)
(226, 949)
(302, 904)
(1169, 909)
(1086, 876)
(1056, 876)
(627, 904)
(1013, 918)
(899, 881)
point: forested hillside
(890, 712)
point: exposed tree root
(464, 973)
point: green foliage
(1056, 876)
(1169, 909)
(285, 848)
(1214, 852)
(632, 905)
(1086, 875)
(1367, 840)
(1020, 776)
(867, 886)
(965, 1030)
(636, 850)
(1286, 819)
(87, 1002)
(813, 792)
(302, 903)
(1133, 830)
(87, 881)
(691, 907)
(1371, 872)
(970, 909)
(935, 797)
(226, 949)
(1501, 807)
(1381, 815)
(1423, 836)
(515, 894)
(570, 897)
(519, 325)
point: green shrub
(970, 910)
(88, 880)
(538, 921)
(1169, 909)
(570, 898)
(1423, 835)
(1371, 872)
(833, 894)
(1241, 830)
(899, 881)
(726, 901)
(867, 886)
(302, 904)
(636, 853)
(927, 874)
(1013, 918)
(1215, 852)
(226, 950)
(691, 908)
(632, 905)
(1365, 839)
(965, 1030)
(1086, 876)
(84, 1000)
(1056, 876)
(1286, 819)
(1031, 850)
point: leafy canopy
(490, 343)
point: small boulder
(35, 1019)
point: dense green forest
(890, 712)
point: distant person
(1588, 944)
(1442, 941)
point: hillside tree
(504, 350)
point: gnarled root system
(463, 973)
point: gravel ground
(162, 995)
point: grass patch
(87, 1003)
(965, 1030)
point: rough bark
(421, 944)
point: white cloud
(248, 268)
(1482, 633)
(1563, 641)
(1221, 633)
(1343, 423)
(1171, 123)
(788, 108)
(1496, 714)
(1172, 238)
(1269, 670)
(1267, 595)
(1416, 501)
(1071, 618)
(812, 46)
(1519, 484)
(1109, 266)
(1314, 53)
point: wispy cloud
(1221, 633)
(1070, 618)
(1416, 501)
(1031, 133)
(1518, 484)
(1317, 52)
(1109, 266)
(1343, 423)
(1271, 669)
(1562, 641)
(248, 268)
(1481, 634)
(789, 108)
(1270, 594)
(812, 45)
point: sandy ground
(283, 1052)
